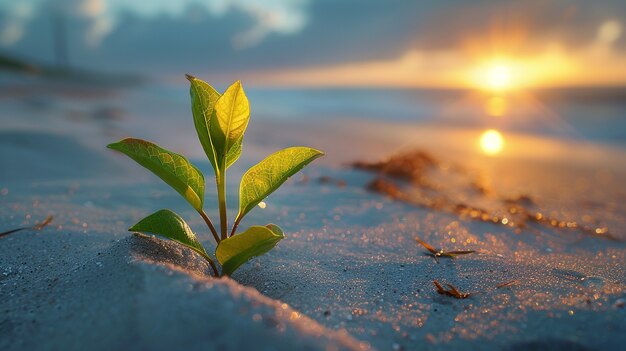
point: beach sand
(349, 275)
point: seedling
(440, 252)
(221, 121)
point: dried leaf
(12, 231)
(461, 252)
(44, 223)
(440, 252)
(37, 226)
(440, 288)
(427, 246)
(453, 254)
(504, 285)
(451, 291)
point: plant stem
(221, 196)
(210, 225)
(212, 264)
(235, 226)
(217, 274)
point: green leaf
(276, 229)
(234, 152)
(203, 99)
(266, 176)
(168, 224)
(173, 168)
(232, 113)
(238, 249)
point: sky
(392, 43)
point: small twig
(45, 222)
(38, 226)
(12, 231)
(427, 246)
(441, 253)
(504, 285)
(454, 292)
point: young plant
(221, 121)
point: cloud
(100, 16)
(95, 13)
(215, 37)
(19, 15)
(609, 32)
(12, 27)
(278, 17)
(411, 69)
(519, 26)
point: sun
(491, 142)
(499, 77)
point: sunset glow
(499, 77)
(553, 67)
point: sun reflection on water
(491, 142)
(496, 106)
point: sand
(349, 275)
(113, 296)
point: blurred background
(489, 70)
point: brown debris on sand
(410, 166)
(451, 291)
(38, 226)
(440, 252)
(340, 183)
(509, 283)
(412, 177)
(380, 185)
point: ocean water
(162, 111)
(594, 115)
